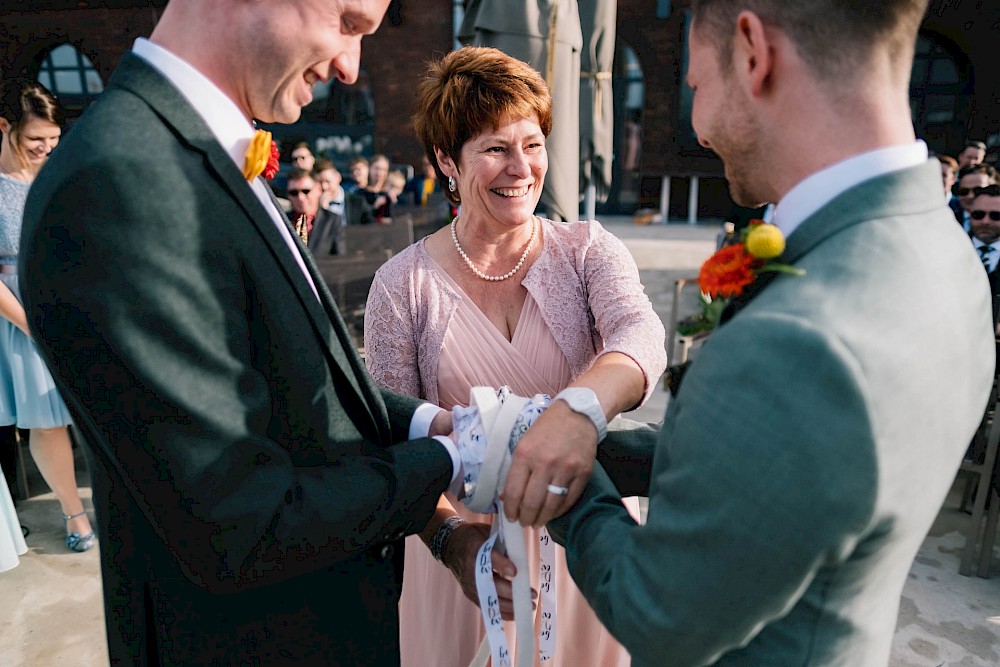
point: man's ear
(753, 53)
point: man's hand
(441, 424)
(558, 449)
(460, 555)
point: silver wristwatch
(584, 401)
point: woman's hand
(460, 555)
(11, 309)
(558, 449)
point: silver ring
(558, 490)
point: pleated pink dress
(439, 626)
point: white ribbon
(503, 419)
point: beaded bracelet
(443, 534)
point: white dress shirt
(818, 189)
(337, 205)
(231, 128)
(990, 257)
(234, 131)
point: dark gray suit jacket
(807, 451)
(252, 484)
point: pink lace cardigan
(585, 283)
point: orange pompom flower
(272, 162)
(727, 272)
(731, 269)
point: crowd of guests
(381, 184)
(971, 189)
(256, 478)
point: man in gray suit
(815, 436)
(251, 482)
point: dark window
(940, 89)
(335, 102)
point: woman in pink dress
(503, 297)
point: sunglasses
(295, 193)
(979, 215)
(965, 192)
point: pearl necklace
(480, 274)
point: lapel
(137, 76)
(898, 193)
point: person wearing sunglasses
(984, 218)
(969, 180)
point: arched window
(71, 77)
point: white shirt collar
(228, 124)
(818, 189)
(231, 128)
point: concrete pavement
(51, 607)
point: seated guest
(949, 174)
(423, 184)
(969, 180)
(504, 297)
(320, 229)
(395, 183)
(375, 192)
(357, 168)
(984, 216)
(972, 154)
(302, 156)
(352, 207)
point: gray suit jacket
(252, 484)
(808, 450)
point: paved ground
(50, 605)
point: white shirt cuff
(457, 479)
(420, 423)
(420, 426)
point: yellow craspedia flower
(257, 155)
(765, 241)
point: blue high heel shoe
(76, 541)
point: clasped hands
(550, 465)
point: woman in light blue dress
(30, 126)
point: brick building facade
(956, 87)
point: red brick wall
(396, 56)
(102, 34)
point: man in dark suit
(815, 435)
(969, 180)
(321, 228)
(345, 208)
(984, 216)
(252, 484)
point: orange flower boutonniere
(261, 157)
(731, 269)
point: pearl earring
(451, 184)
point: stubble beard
(738, 143)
